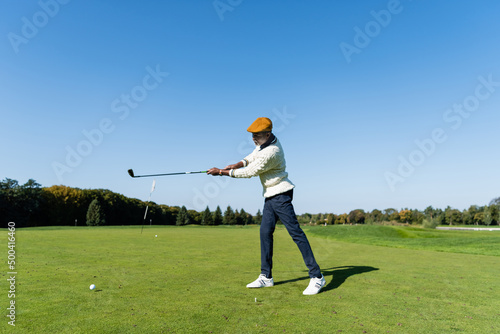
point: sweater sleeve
(249, 158)
(258, 164)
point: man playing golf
(268, 162)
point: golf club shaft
(166, 174)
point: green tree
(429, 223)
(238, 217)
(65, 204)
(376, 216)
(478, 218)
(304, 218)
(182, 217)
(8, 200)
(218, 219)
(207, 218)
(488, 217)
(417, 217)
(495, 201)
(430, 213)
(391, 214)
(495, 213)
(357, 216)
(249, 219)
(342, 219)
(229, 216)
(440, 217)
(194, 217)
(473, 209)
(245, 218)
(405, 216)
(257, 219)
(467, 217)
(452, 216)
(20, 203)
(169, 214)
(30, 198)
(95, 214)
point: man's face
(260, 138)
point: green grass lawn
(458, 241)
(192, 280)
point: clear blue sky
(378, 104)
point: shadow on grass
(338, 276)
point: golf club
(131, 173)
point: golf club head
(131, 172)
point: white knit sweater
(269, 164)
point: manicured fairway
(465, 241)
(192, 280)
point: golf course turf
(191, 279)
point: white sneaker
(315, 286)
(261, 282)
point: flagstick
(147, 206)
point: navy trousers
(280, 207)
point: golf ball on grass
(92, 287)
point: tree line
(30, 204)
(430, 217)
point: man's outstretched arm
(237, 165)
(225, 170)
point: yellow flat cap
(261, 124)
